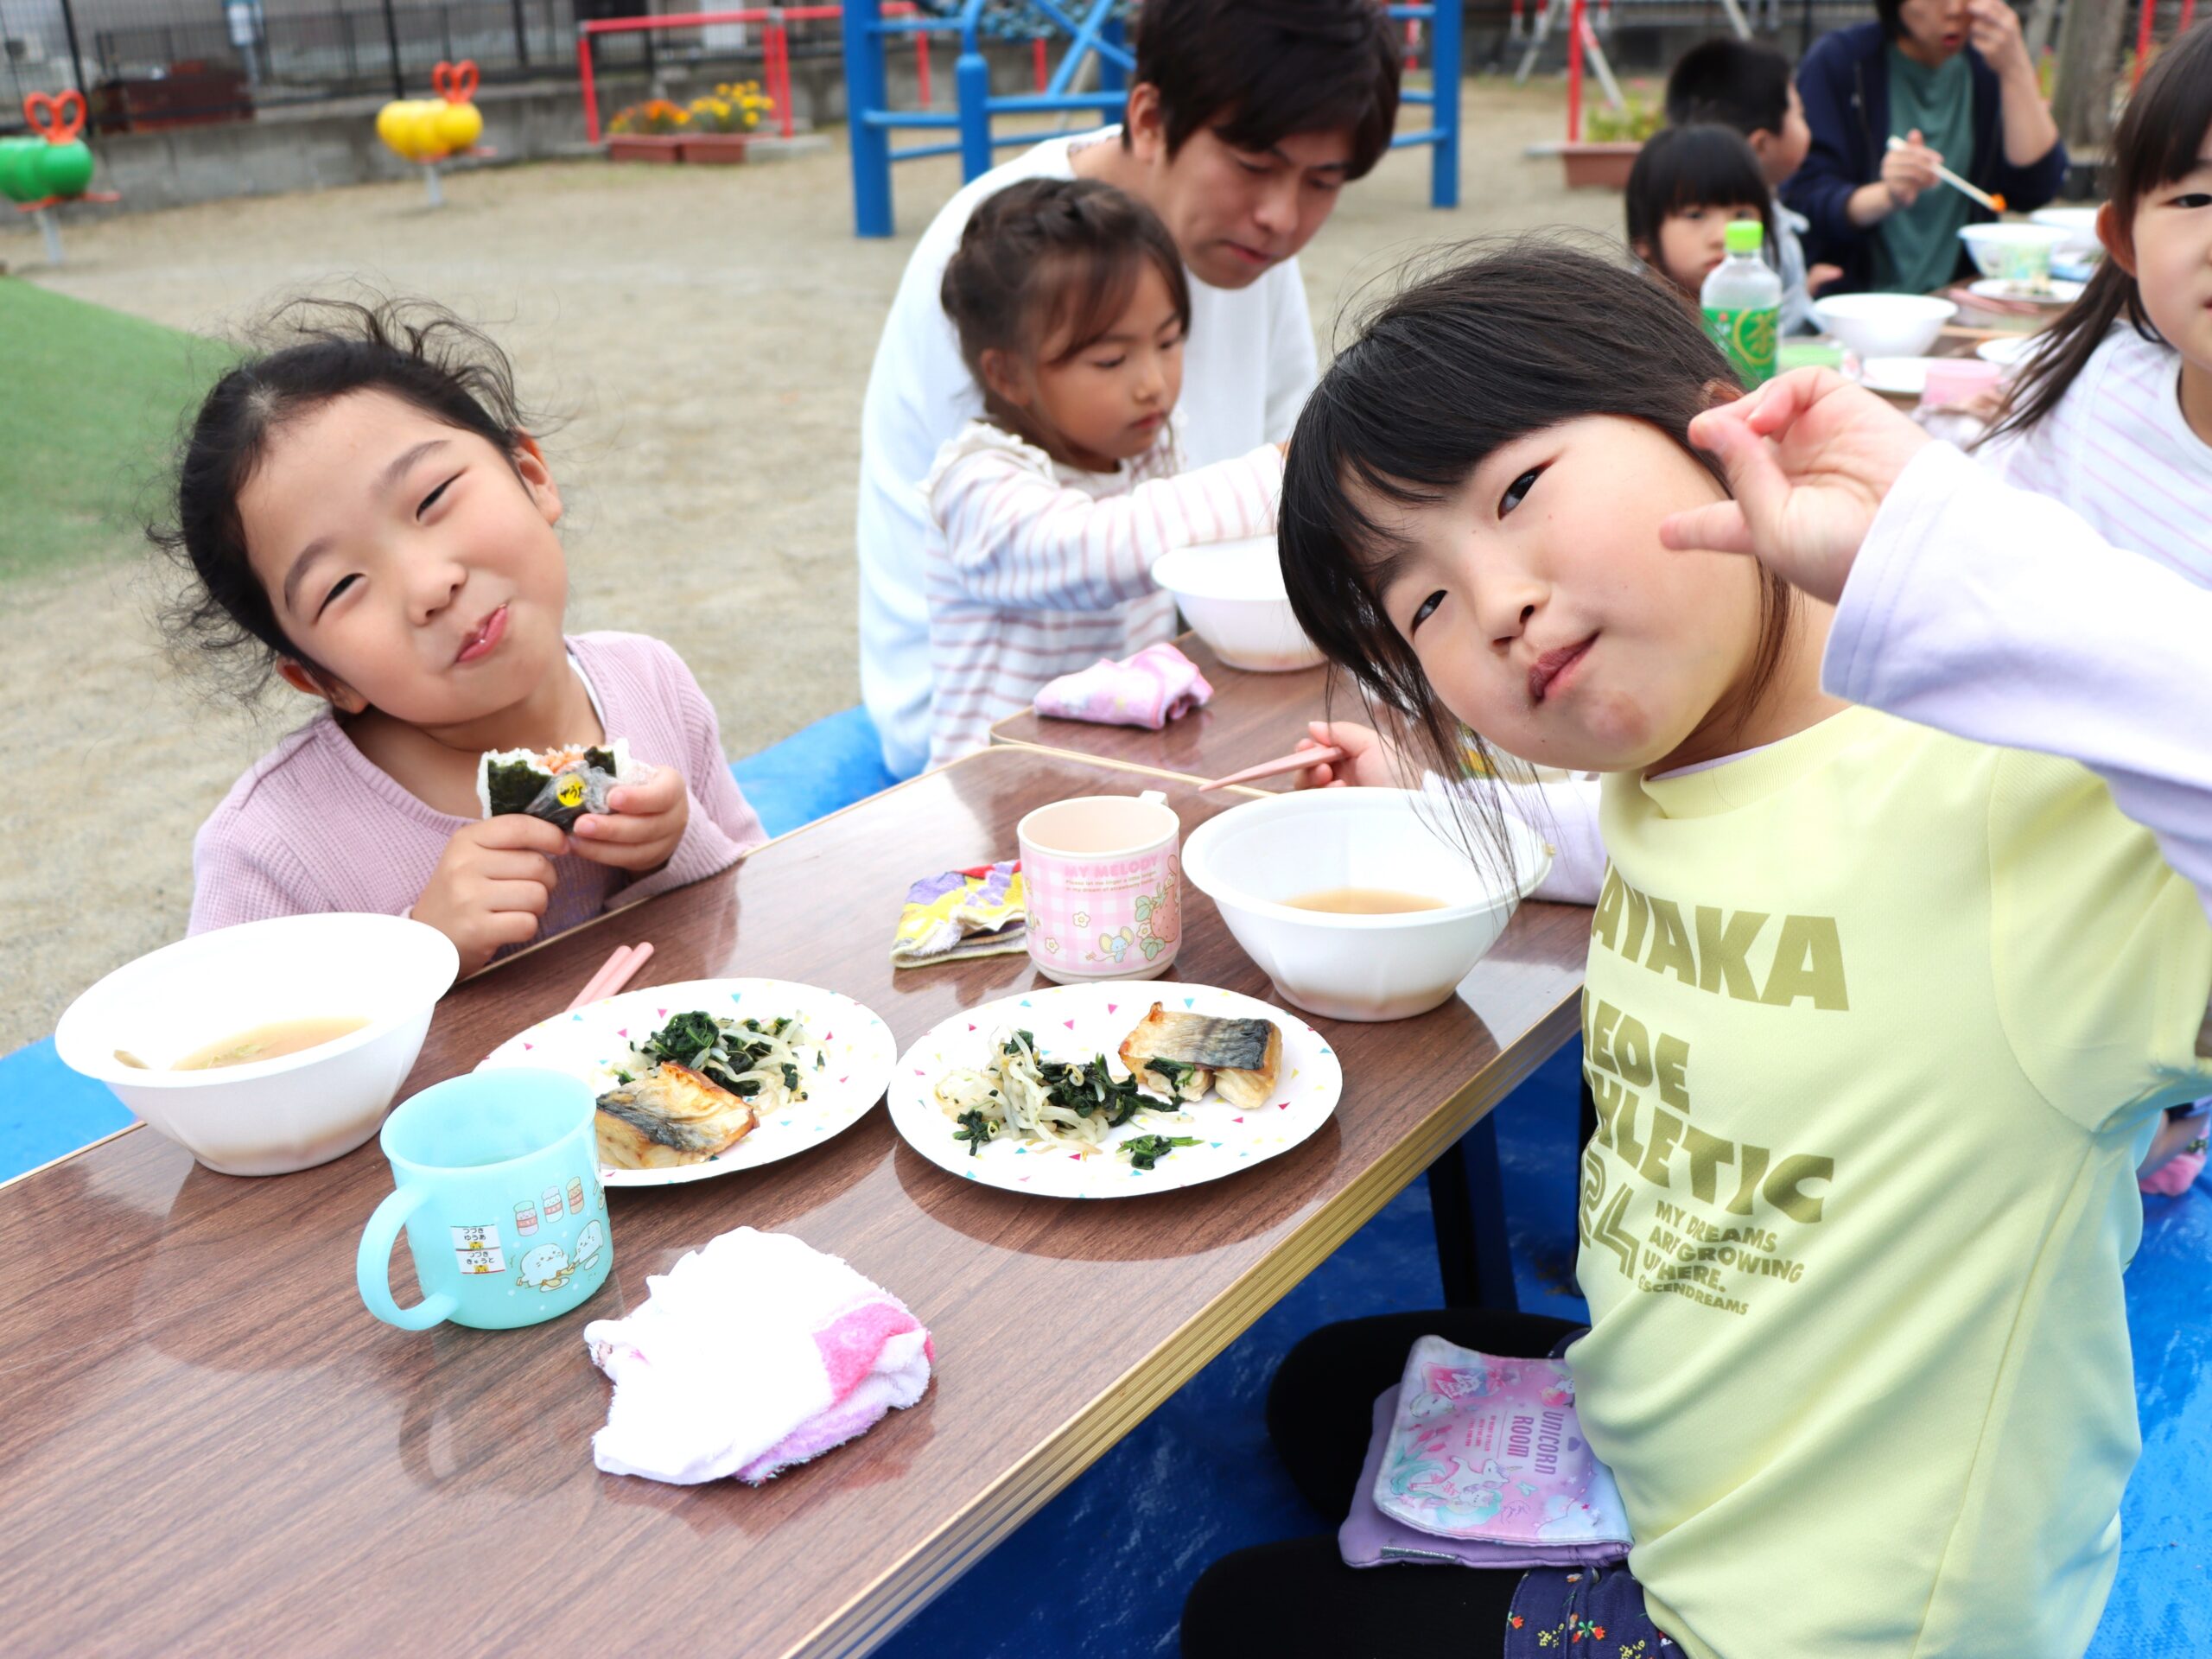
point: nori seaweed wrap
(559, 785)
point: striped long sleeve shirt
(1037, 570)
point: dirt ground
(706, 333)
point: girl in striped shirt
(2112, 415)
(1071, 305)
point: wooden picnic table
(1252, 717)
(212, 1447)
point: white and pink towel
(749, 1355)
(1158, 684)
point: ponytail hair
(2160, 140)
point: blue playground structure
(1092, 29)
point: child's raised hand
(1369, 762)
(492, 885)
(1809, 457)
(639, 832)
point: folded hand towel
(1158, 684)
(1480, 1461)
(749, 1355)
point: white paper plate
(1996, 287)
(1902, 377)
(857, 1051)
(1073, 1022)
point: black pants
(1296, 1599)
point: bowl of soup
(1884, 325)
(1361, 904)
(1232, 594)
(269, 1046)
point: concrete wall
(308, 148)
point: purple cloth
(1371, 1538)
(1158, 684)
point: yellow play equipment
(427, 131)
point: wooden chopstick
(1995, 204)
(1298, 762)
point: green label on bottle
(1748, 339)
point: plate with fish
(1113, 1090)
(705, 1076)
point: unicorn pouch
(1491, 1450)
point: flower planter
(716, 149)
(1598, 166)
(643, 147)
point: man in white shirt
(1244, 120)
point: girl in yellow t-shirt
(1861, 996)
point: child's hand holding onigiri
(640, 830)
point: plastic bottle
(1743, 305)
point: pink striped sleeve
(1016, 538)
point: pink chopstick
(1298, 762)
(614, 973)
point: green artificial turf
(90, 400)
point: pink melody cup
(1104, 879)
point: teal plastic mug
(498, 1180)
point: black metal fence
(213, 60)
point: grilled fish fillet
(1240, 1058)
(671, 1116)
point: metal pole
(971, 80)
(76, 55)
(585, 85)
(1446, 52)
(1112, 78)
(865, 95)
(52, 234)
(392, 40)
(522, 35)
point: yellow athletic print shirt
(1878, 1021)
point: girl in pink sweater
(364, 513)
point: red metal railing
(775, 49)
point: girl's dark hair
(308, 353)
(2160, 140)
(1739, 84)
(1475, 353)
(1705, 165)
(1891, 12)
(1051, 259)
(1259, 71)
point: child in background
(1687, 184)
(2113, 414)
(365, 510)
(1747, 85)
(1071, 307)
(1844, 970)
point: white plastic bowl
(2013, 252)
(1252, 858)
(2077, 228)
(1885, 325)
(273, 1116)
(1232, 594)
